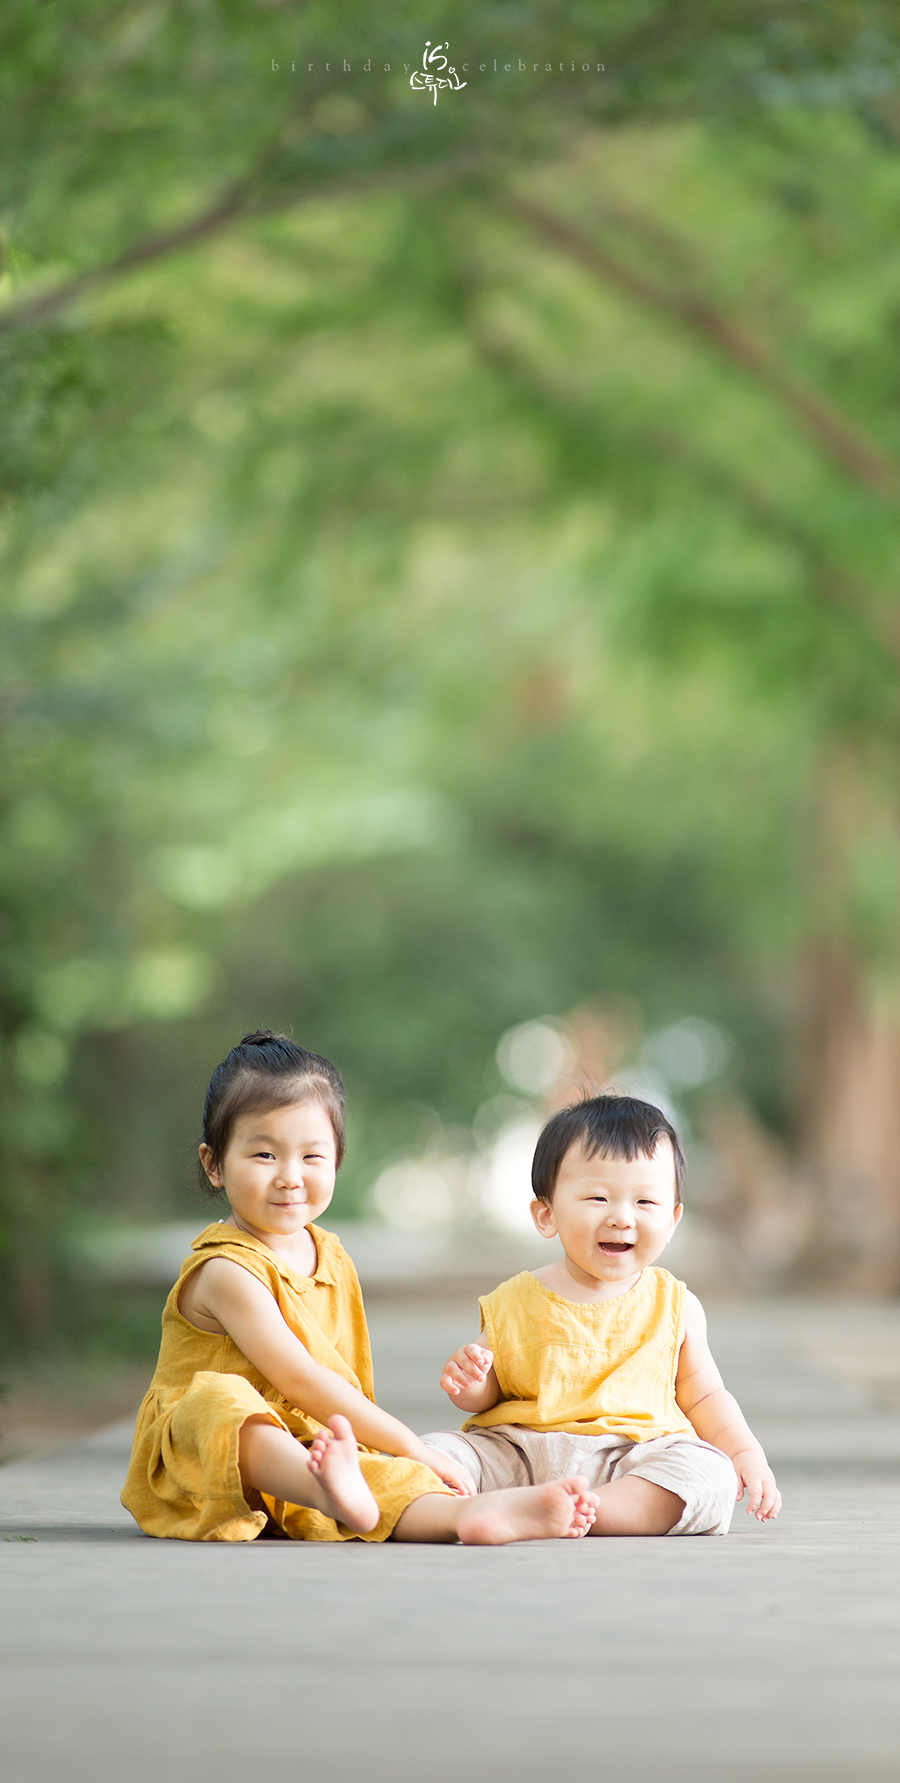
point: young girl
(261, 1410)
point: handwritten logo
(423, 77)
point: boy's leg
(509, 1506)
(670, 1471)
(670, 1485)
(517, 1514)
(634, 1506)
(325, 1477)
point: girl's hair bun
(259, 1037)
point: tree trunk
(850, 1127)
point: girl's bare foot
(529, 1513)
(334, 1461)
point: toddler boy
(598, 1364)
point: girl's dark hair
(264, 1071)
(608, 1126)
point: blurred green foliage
(422, 608)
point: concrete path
(772, 1653)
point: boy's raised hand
(758, 1481)
(468, 1367)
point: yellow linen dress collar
(328, 1247)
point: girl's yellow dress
(184, 1479)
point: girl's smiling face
(614, 1216)
(279, 1169)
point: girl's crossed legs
(327, 1478)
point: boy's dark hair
(265, 1071)
(608, 1127)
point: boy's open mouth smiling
(612, 1248)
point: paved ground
(769, 1654)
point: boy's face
(613, 1217)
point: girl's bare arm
(238, 1302)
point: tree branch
(237, 202)
(830, 582)
(834, 433)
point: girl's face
(278, 1170)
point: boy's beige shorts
(511, 1455)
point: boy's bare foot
(334, 1460)
(529, 1513)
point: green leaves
(437, 543)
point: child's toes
(319, 1449)
(582, 1519)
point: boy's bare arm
(717, 1418)
(470, 1380)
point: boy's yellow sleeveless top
(606, 1368)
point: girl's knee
(215, 1403)
(250, 1435)
(255, 1447)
